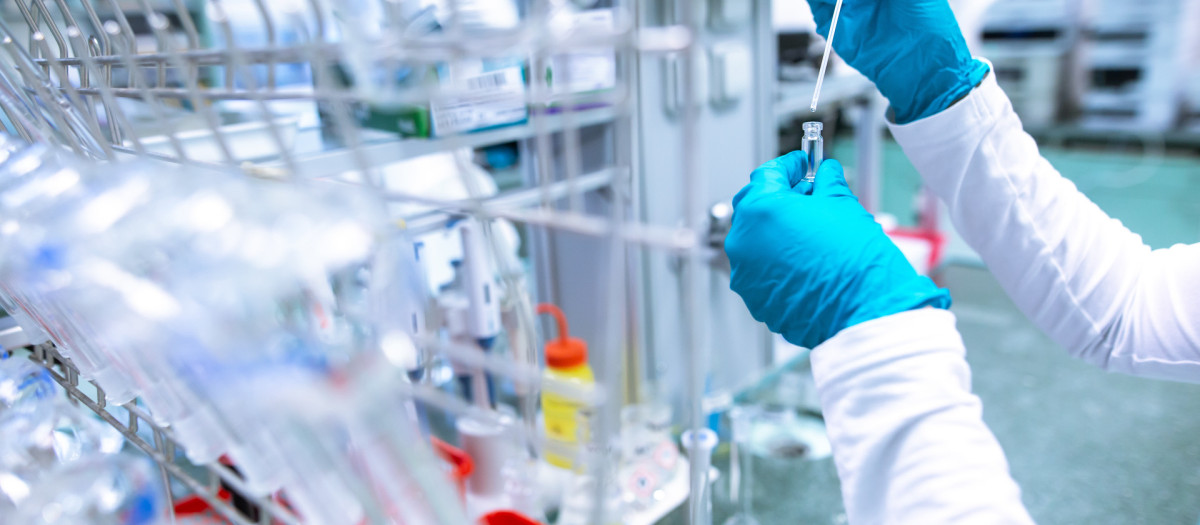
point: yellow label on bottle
(565, 420)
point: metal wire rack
(163, 448)
(113, 80)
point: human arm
(913, 50)
(907, 435)
(1082, 277)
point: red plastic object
(195, 507)
(507, 517)
(192, 506)
(936, 240)
(462, 464)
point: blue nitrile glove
(810, 261)
(913, 50)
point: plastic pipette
(837, 10)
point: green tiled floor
(1086, 446)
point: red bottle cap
(566, 351)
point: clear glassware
(579, 501)
(814, 148)
(24, 385)
(58, 432)
(106, 490)
(699, 444)
(39, 440)
(649, 455)
(195, 291)
(741, 472)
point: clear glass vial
(814, 148)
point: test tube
(814, 148)
(740, 464)
(699, 444)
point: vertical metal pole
(691, 280)
(766, 80)
(625, 187)
(868, 136)
(767, 125)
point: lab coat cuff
(863, 351)
(976, 111)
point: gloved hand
(913, 50)
(810, 261)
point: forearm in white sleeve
(1082, 277)
(908, 436)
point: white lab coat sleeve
(907, 433)
(1082, 277)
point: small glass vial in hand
(814, 148)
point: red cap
(507, 517)
(566, 351)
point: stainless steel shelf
(316, 157)
(521, 198)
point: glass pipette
(837, 10)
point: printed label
(491, 99)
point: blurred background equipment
(283, 261)
(1034, 49)
(290, 251)
(1138, 58)
(1095, 64)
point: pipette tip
(837, 11)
